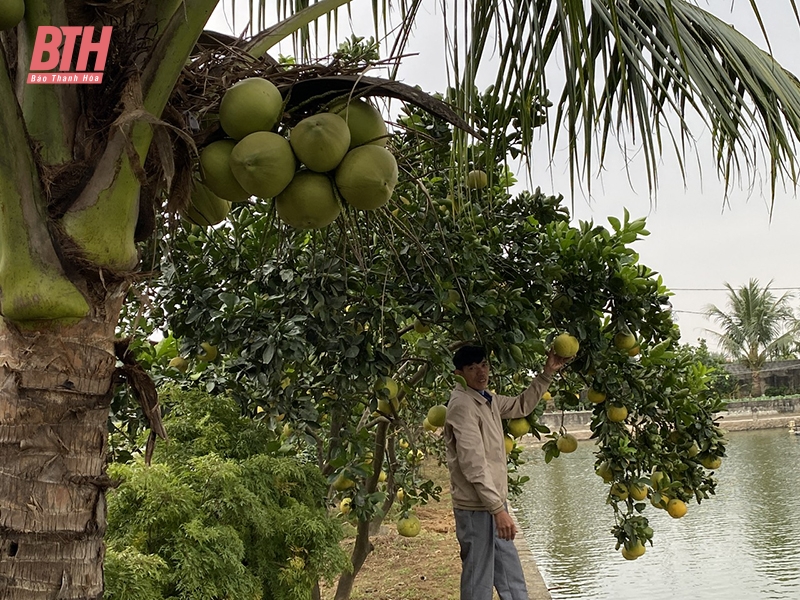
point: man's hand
(554, 363)
(505, 526)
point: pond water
(742, 544)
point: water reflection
(742, 544)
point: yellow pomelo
(409, 526)
(518, 427)
(342, 483)
(365, 122)
(382, 476)
(308, 202)
(624, 341)
(567, 443)
(320, 141)
(206, 208)
(388, 384)
(633, 551)
(694, 450)
(566, 345)
(415, 458)
(595, 397)
(676, 508)
(638, 491)
(344, 505)
(366, 177)
(616, 414)
(11, 13)
(604, 471)
(619, 490)
(217, 174)
(427, 426)
(179, 363)
(209, 353)
(437, 415)
(711, 462)
(509, 444)
(263, 164)
(387, 407)
(248, 106)
(477, 180)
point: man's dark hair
(468, 355)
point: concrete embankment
(739, 416)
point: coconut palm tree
(85, 169)
(757, 326)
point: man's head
(471, 363)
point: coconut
(366, 177)
(308, 202)
(263, 163)
(217, 175)
(206, 208)
(364, 120)
(320, 141)
(248, 106)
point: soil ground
(426, 567)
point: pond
(742, 544)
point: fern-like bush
(218, 515)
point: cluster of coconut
(330, 155)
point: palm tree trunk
(55, 392)
(756, 390)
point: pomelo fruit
(206, 208)
(638, 491)
(518, 427)
(365, 122)
(179, 363)
(342, 483)
(616, 414)
(11, 13)
(263, 163)
(633, 550)
(566, 345)
(509, 443)
(567, 443)
(604, 471)
(477, 179)
(676, 508)
(595, 396)
(320, 141)
(345, 505)
(624, 341)
(409, 526)
(427, 426)
(248, 106)
(437, 415)
(711, 462)
(217, 175)
(619, 490)
(366, 177)
(308, 202)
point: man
(476, 459)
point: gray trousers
(487, 561)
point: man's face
(476, 375)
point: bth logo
(55, 47)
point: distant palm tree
(757, 326)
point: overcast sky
(697, 242)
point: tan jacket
(476, 454)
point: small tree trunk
(55, 392)
(756, 390)
(361, 550)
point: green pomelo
(366, 177)
(248, 106)
(365, 122)
(320, 141)
(207, 208)
(11, 13)
(217, 174)
(308, 202)
(263, 163)
(477, 180)
(437, 415)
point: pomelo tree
(85, 169)
(308, 325)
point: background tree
(756, 327)
(84, 170)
